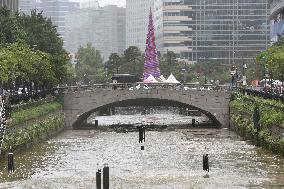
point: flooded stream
(171, 160)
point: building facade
(103, 27)
(10, 4)
(229, 31)
(174, 28)
(276, 19)
(137, 14)
(25, 6)
(56, 10)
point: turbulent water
(171, 159)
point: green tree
(168, 63)
(273, 60)
(113, 64)
(42, 35)
(211, 70)
(89, 64)
(25, 66)
(132, 61)
(11, 30)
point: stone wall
(79, 105)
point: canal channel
(171, 159)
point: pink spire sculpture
(151, 63)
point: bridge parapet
(146, 86)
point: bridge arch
(78, 105)
(146, 102)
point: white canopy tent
(172, 79)
(150, 79)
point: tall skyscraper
(174, 28)
(57, 10)
(25, 6)
(137, 12)
(103, 27)
(89, 4)
(10, 4)
(227, 31)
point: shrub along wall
(271, 116)
(21, 116)
(45, 120)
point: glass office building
(229, 31)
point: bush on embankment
(37, 131)
(271, 113)
(20, 116)
(28, 125)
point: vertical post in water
(144, 133)
(10, 161)
(106, 177)
(193, 122)
(113, 111)
(99, 179)
(140, 134)
(205, 163)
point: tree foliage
(113, 64)
(23, 66)
(89, 64)
(10, 28)
(211, 70)
(273, 59)
(132, 61)
(31, 50)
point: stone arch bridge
(80, 104)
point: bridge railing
(144, 86)
(263, 94)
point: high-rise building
(137, 12)
(56, 10)
(276, 19)
(25, 6)
(89, 4)
(227, 31)
(174, 28)
(10, 4)
(103, 27)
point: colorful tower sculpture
(151, 63)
